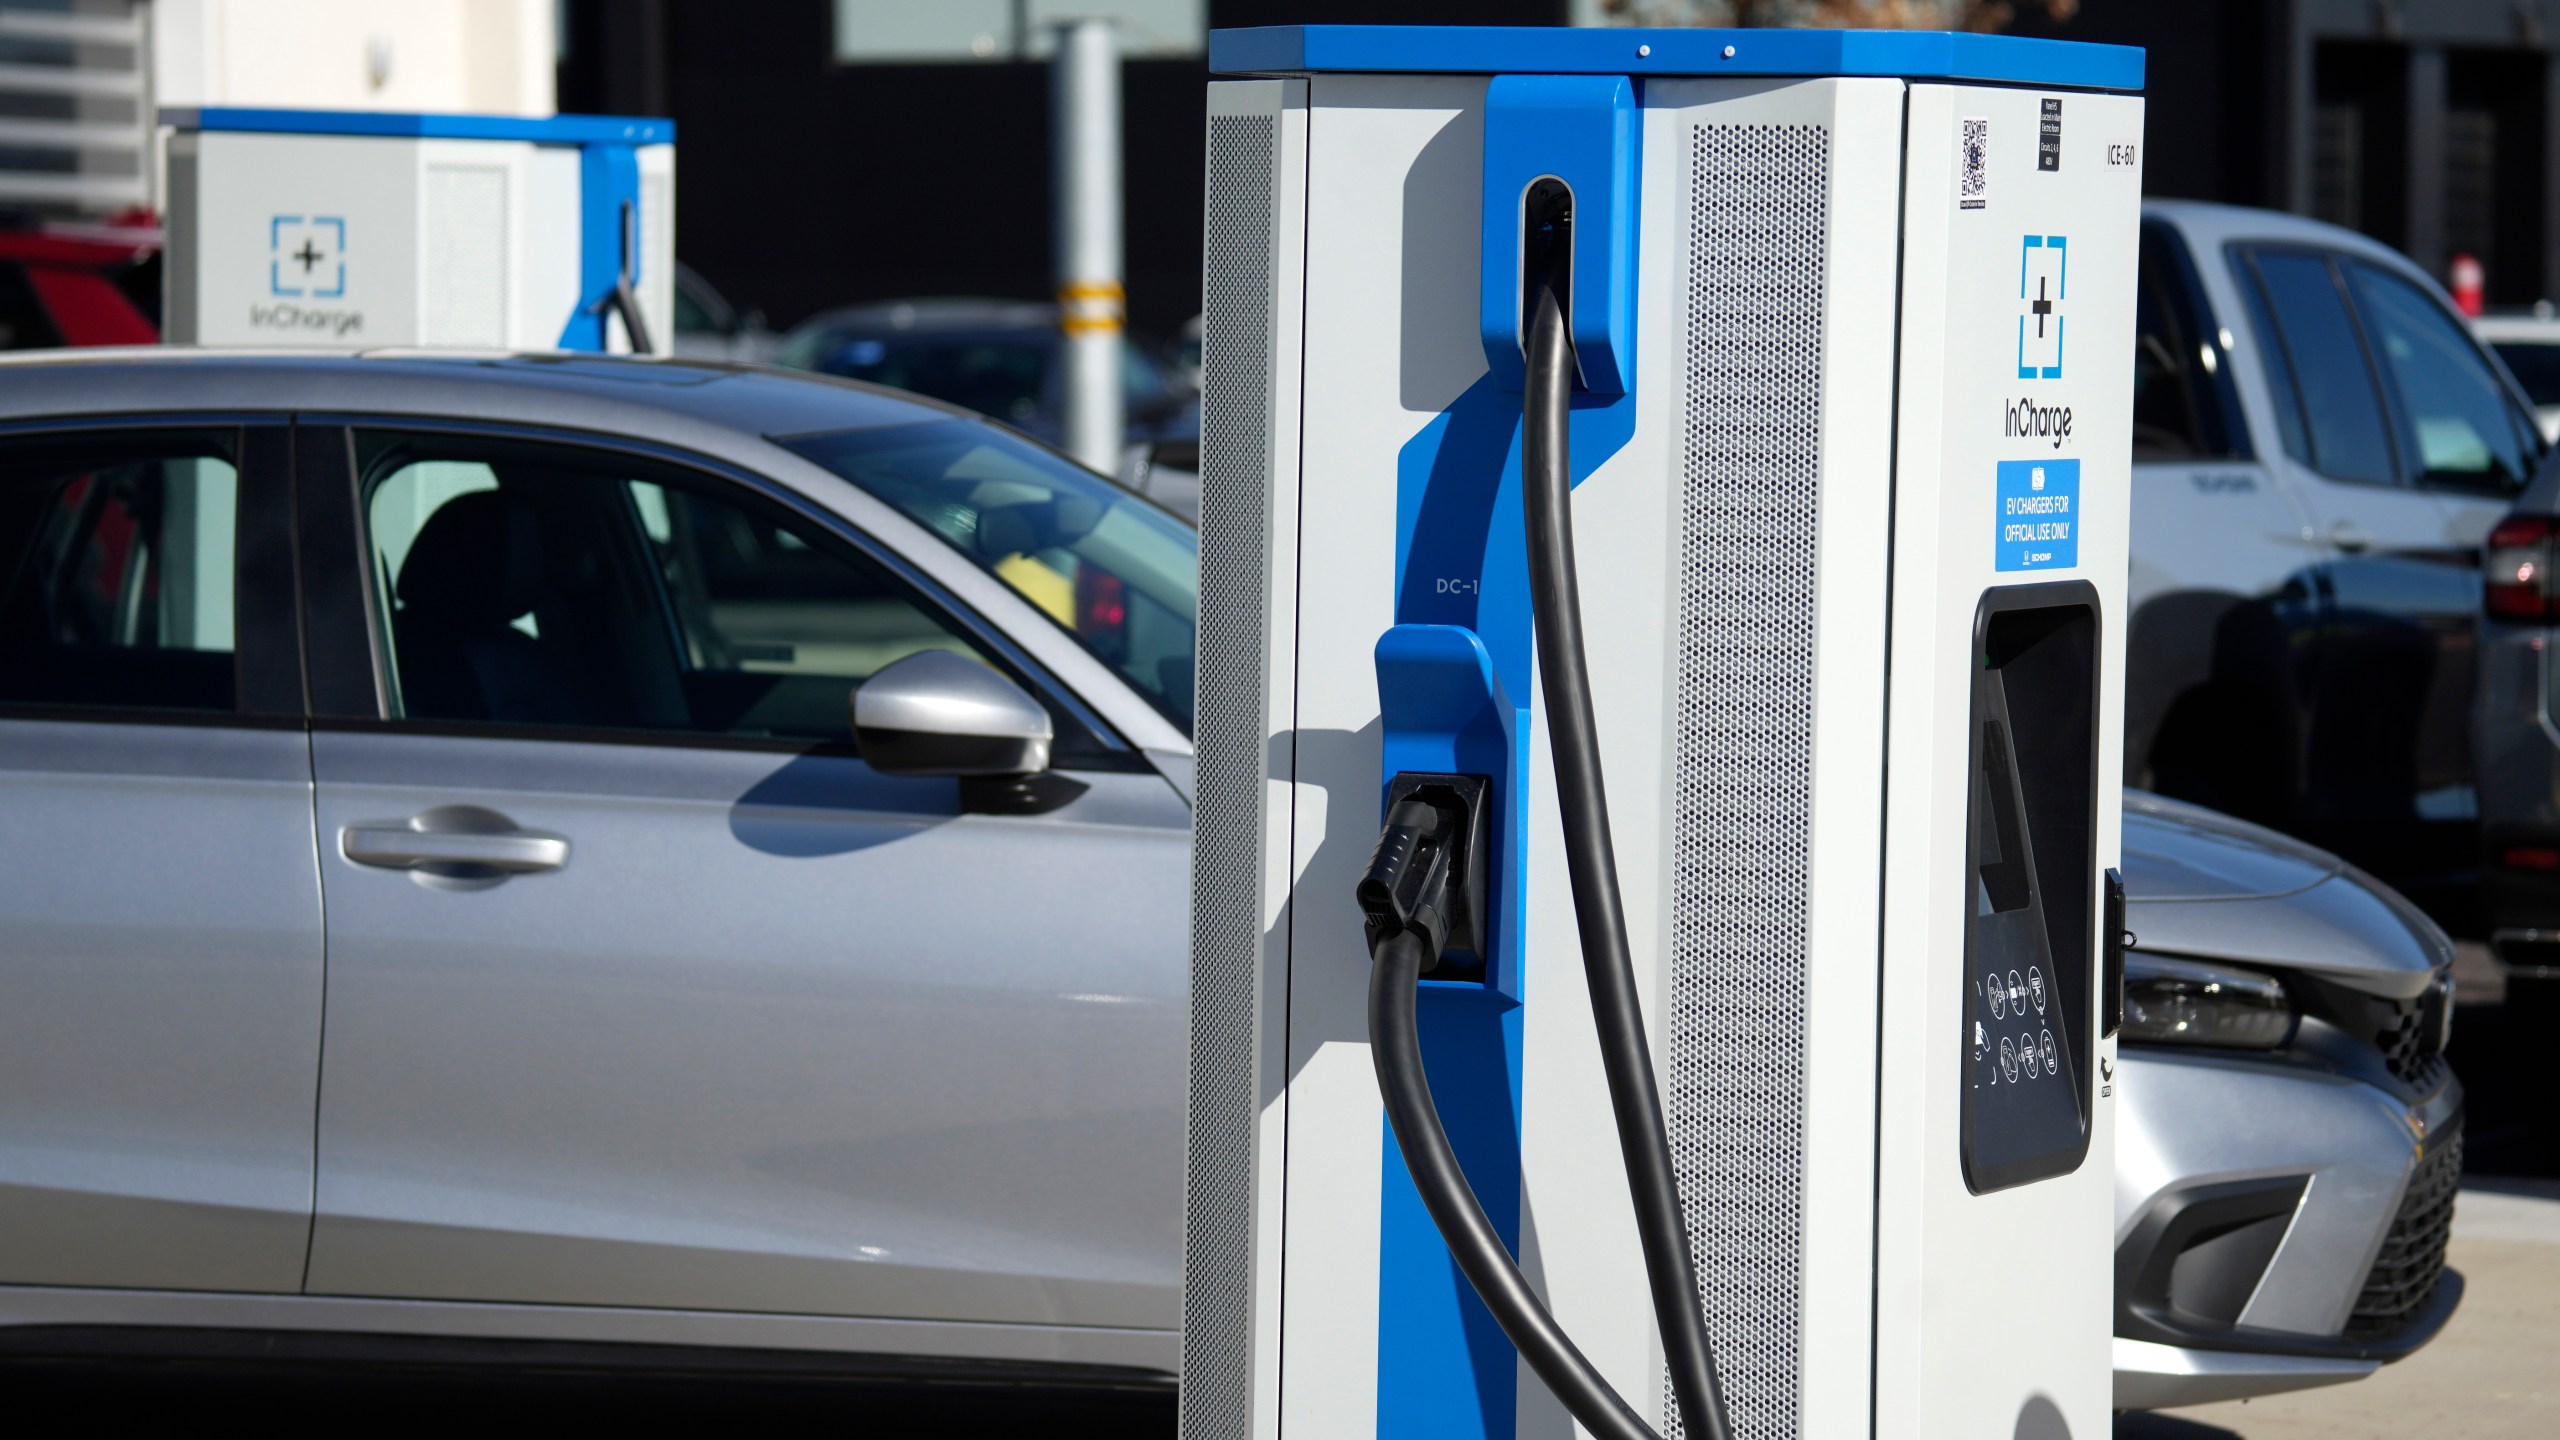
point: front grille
(2405, 1274)
(2410, 1038)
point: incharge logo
(285, 315)
(2029, 420)
(307, 256)
(2043, 277)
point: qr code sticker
(1973, 169)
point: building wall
(489, 56)
(2427, 124)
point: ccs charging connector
(1427, 874)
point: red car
(91, 286)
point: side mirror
(936, 713)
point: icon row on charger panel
(2024, 1059)
(2013, 995)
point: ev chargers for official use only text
(355, 228)
(1852, 316)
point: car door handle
(395, 846)
(2349, 539)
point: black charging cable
(1409, 897)
(1408, 894)
(1546, 482)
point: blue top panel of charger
(1526, 50)
(545, 130)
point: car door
(160, 929)
(2221, 553)
(646, 990)
(2471, 444)
(2391, 588)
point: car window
(2164, 408)
(2282, 395)
(2188, 398)
(2459, 428)
(117, 557)
(2536, 366)
(1110, 569)
(2176, 414)
(2338, 413)
(531, 584)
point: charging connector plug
(1426, 876)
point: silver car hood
(2201, 883)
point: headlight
(2182, 1002)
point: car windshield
(1112, 570)
(2536, 366)
(996, 375)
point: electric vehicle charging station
(1849, 519)
(320, 227)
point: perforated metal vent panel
(1226, 871)
(1744, 749)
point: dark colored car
(2516, 735)
(997, 357)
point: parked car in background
(2320, 446)
(79, 285)
(637, 740)
(708, 327)
(996, 357)
(2290, 1137)
(2529, 343)
(2516, 735)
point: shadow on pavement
(2502, 1052)
(2151, 1425)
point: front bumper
(2151, 1376)
(2279, 1225)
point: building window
(902, 32)
(2471, 186)
(2337, 165)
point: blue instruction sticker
(2039, 521)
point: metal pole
(1084, 96)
